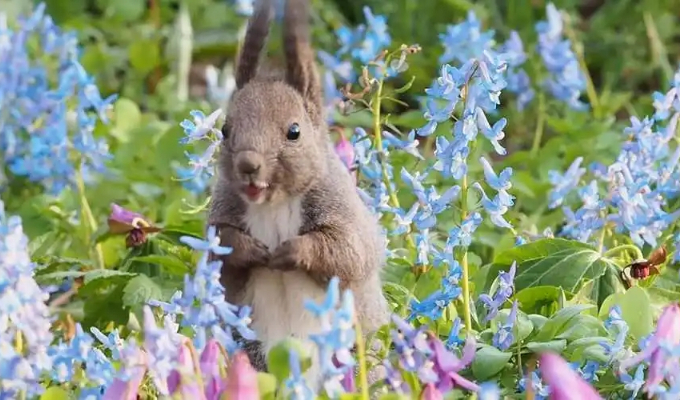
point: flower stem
(361, 354)
(91, 223)
(464, 261)
(580, 56)
(377, 133)
(623, 247)
(538, 133)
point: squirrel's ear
(301, 71)
(255, 39)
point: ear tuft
(301, 70)
(257, 32)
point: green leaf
(606, 285)
(579, 346)
(105, 273)
(556, 346)
(636, 310)
(127, 118)
(266, 384)
(558, 322)
(533, 298)
(129, 10)
(551, 262)
(54, 393)
(488, 362)
(583, 325)
(144, 55)
(278, 359)
(140, 290)
(170, 264)
(538, 321)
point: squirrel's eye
(293, 132)
(225, 131)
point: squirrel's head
(275, 143)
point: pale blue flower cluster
(46, 102)
(632, 194)
(466, 40)
(566, 81)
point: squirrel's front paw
(287, 256)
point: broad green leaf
(606, 285)
(533, 298)
(538, 321)
(583, 325)
(140, 290)
(488, 362)
(558, 322)
(55, 393)
(578, 346)
(278, 359)
(266, 384)
(551, 262)
(105, 273)
(636, 310)
(556, 346)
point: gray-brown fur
(338, 235)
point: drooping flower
(565, 383)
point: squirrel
(284, 201)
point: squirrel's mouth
(254, 191)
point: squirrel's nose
(248, 162)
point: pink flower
(127, 389)
(346, 152)
(210, 368)
(241, 379)
(447, 365)
(134, 225)
(431, 393)
(184, 380)
(564, 382)
(667, 332)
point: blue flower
(465, 40)
(567, 81)
(540, 389)
(502, 294)
(634, 384)
(22, 303)
(211, 243)
(337, 338)
(48, 136)
(563, 184)
(504, 337)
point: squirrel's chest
(278, 298)
(274, 224)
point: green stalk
(90, 222)
(464, 261)
(361, 355)
(538, 133)
(623, 247)
(580, 56)
(377, 132)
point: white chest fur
(277, 297)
